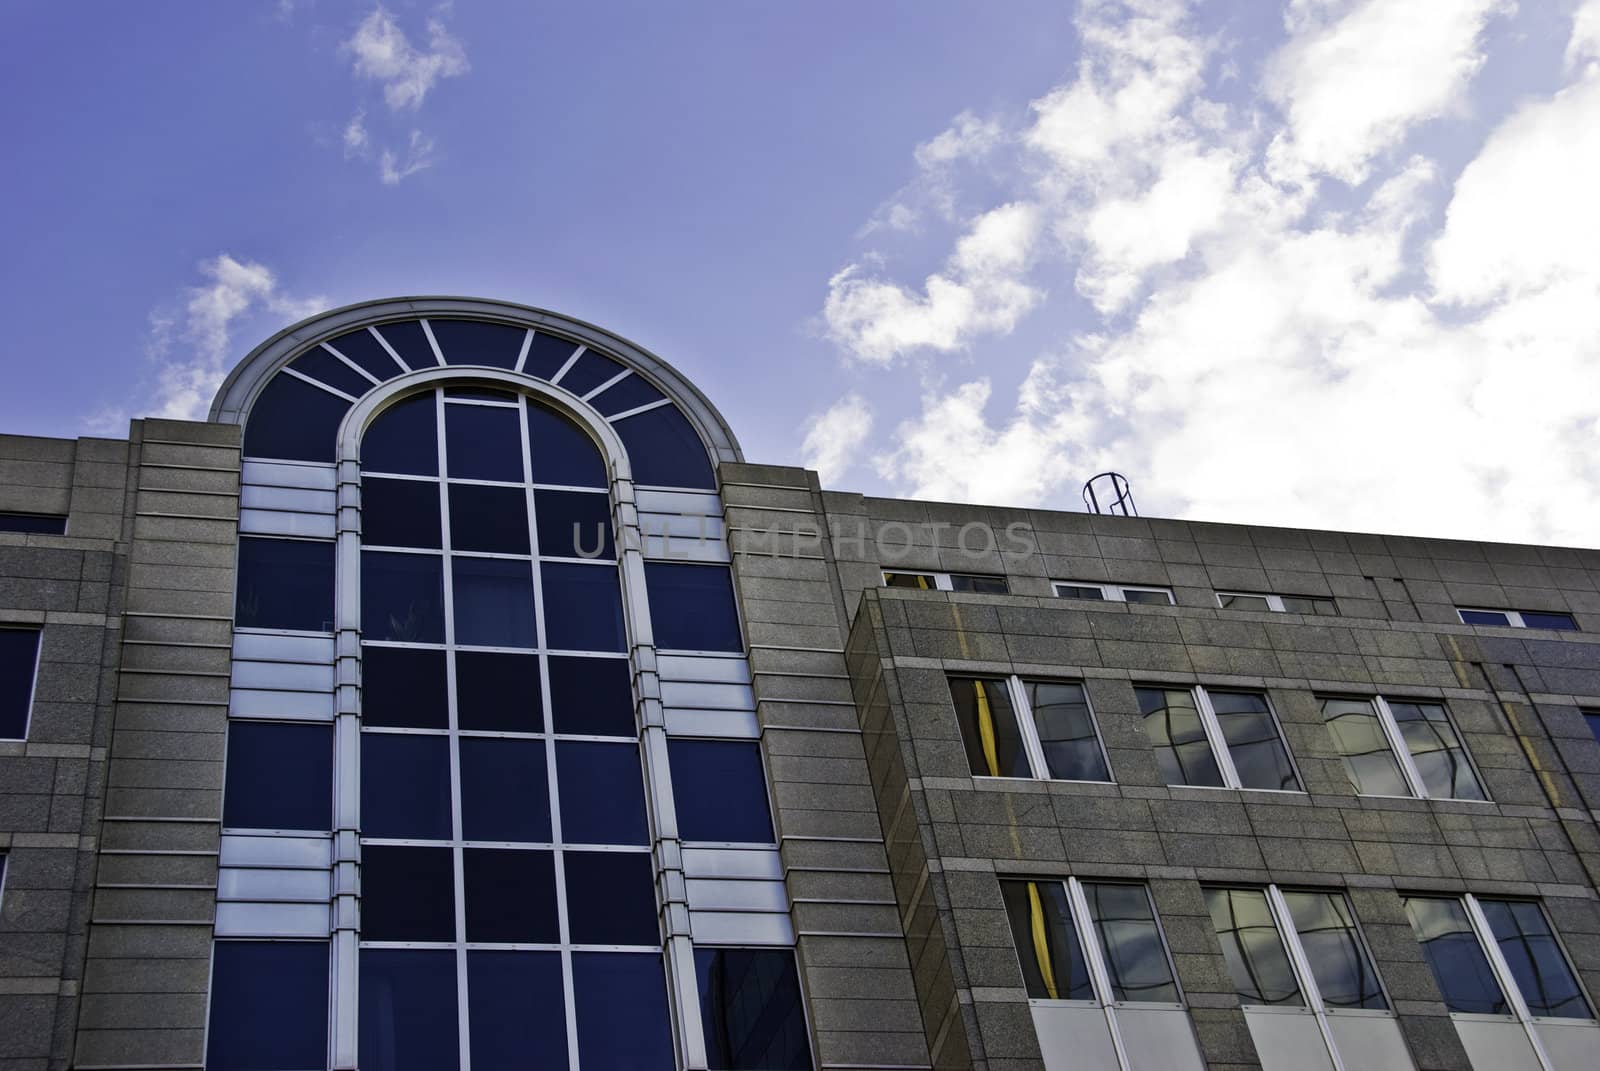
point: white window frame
(941, 581)
(1028, 730)
(1275, 602)
(1402, 754)
(1514, 618)
(1219, 742)
(1111, 592)
(33, 680)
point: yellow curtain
(1041, 941)
(986, 729)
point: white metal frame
(1506, 980)
(1402, 753)
(1274, 602)
(33, 678)
(1112, 592)
(1514, 618)
(941, 581)
(1028, 729)
(1219, 742)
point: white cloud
(418, 157)
(834, 437)
(382, 52)
(1584, 44)
(967, 137)
(356, 138)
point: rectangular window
(1316, 605)
(269, 1005)
(1211, 738)
(751, 1010)
(42, 523)
(1028, 728)
(1593, 718)
(285, 584)
(1552, 619)
(1092, 590)
(973, 582)
(1294, 947)
(19, 664)
(1401, 748)
(279, 776)
(1089, 940)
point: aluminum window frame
(1514, 618)
(1402, 754)
(1028, 729)
(1218, 741)
(1112, 592)
(33, 677)
(1275, 602)
(941, 581)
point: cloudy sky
(1320, 262)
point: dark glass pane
(561, 452)
(292, 420)
(574, 524)
(1066, 731)
(494, 602)
(1483, 617)
(621, 1008)
(504, 795)
(1053, 966)
(983, 585)
(399, 513)
(720, 790)
(1078, 591)
(1243, 602)
(1148, 598)
(19, 655)
(405, 337)
(583, 607)
(547, 354)
(285, 583)
(405, 786)
(1257, 961)
(592, 696)
(1172, 722)
(1130, 939)
(1253, 742)
(407, 894)
(404, 438)
(269, 1005)
(588, 372)
(516, 1007)
(493, 519)
(1455, 956)
(626, 394)
(321, 365)
(915, 581)
(611, 898)
(483, 442)
(1368, 760)
(482, 394)
(43, 523)
(1345, 976)
(279, 776)
(498, 692)
(750, 1009)
(402, 597)
(1437, 751)
(692, 607)
(1539, 619)
(1541, 972)
(1299, 604)
(476, 342)
(365, 351)
(665, 450)
(404, 687)
(1593, 718)
(989, 727)
(511, 895)
(602, 793)
(408, 1011)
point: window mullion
(1397, 743)
(1023, 711)
(1094, 957)
(1503, 975)
(1302, 967)
(1219, 743)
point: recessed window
(285, 584)
(41, 523)
(1551, 619)
(979, 583)
(279, 776)
(1053, 921)
(692, 607)
(1096, 592)
(19, 663)
(1482, 949)
(1212, 738)
(1028, 728)
(1592, 717)
(720, 790)
(1394, 747)
(751, 1013)
(269, 1005)
(1316, 605)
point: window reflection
(1257, 961)
(1136, 959)
(1066, 731)
(1053, 967)
(1173, 724)
(1344, 975)
(1530, 950)
(1368, 760)
(1455, 956)
(1254, 745)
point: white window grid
(1115, 592)
(1402, 753)
(940, 581)
(33, 676)
(1514, 618)
(3, 871)
(1028, 729)
(1274, 602)
(1219, 742)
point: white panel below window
(1287, 1039)
(740, 928)
(707, 696)
(733, 724)
(703, 668)
(283, 676)
(1571, 1044)
(285, 474)
(272, 920)
(1371, 1042)
(246, 851)
(305, 886)
(749, 863)
(1074, 1037)
(697, 503)
(294, 706)
(684, 549)
(1158, 1039)
(709, 894)
(282, 647)
(288, 499)
(281, 523)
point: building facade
(459, 696)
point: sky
(1322, 263)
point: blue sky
(1320, 262)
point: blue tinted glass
(573, 524)
(602, 793)
(546, 355)
(562, 453)
(511, 896)
(1530, 950)
(483, 442)
(323, 366)
(404, 687)
(44, 523)
(1451, 948)
(515, 1005)
(665, 450)
(750, 1009)
(294, 421)
(493, 519)
(611, 898)
(1538, 619)
(692, 607)
(494, 602)
(476, 342)
(503, 791)
(720, 791)
(592, 696)
(621, 1008)
(588, 372)
(405, 337)
(626, 394)
(1484, 617)
(404, 438)
(285, 583)
(402, 597)
(1590, 716)
(399, 513)
(279, 776)
(269, 1005)
(408, 1011)
(498, 692)
(405, 786)
(19, 654)
(583, 607)
(407, 894)
(364, 350)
